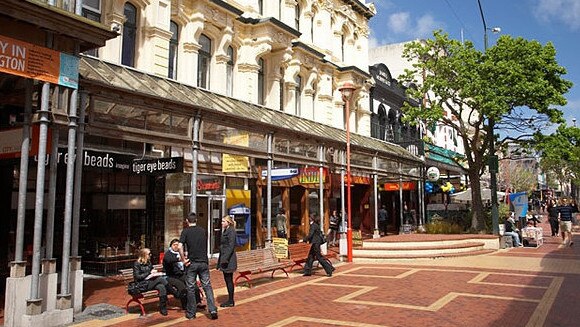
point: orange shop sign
(33, 61)
(395, 186)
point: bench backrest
(127, 274)
(298, 250)
(248, 260)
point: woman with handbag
(150, 279)
(228, 261)
(316, 238)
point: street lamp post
(347, 91)
(493, 162)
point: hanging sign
(33, 61)
(395, 186)
(279, 174)
(311, 175)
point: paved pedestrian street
(514, 287)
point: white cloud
(565, 11)
(403, 27)
(399, 22)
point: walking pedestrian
(333, 223)
(194, 239)
(565, 212)
(150, 279)
(316, 239)
(383, 216)
(553, 217)
(228, 261)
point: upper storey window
(203, 62)
(129, 35)
(230, 72)
(261, 81)
(297, 12)
(173, 47)
(92, 11)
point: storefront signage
(311, 175)
(158, 166)
(279, 174)
(407, 186)
(280, 247)
(33, 61)
(11, 142)
(364, 180)
(209, 184)
(232, 163)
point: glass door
(215, 212)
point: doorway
(210, 210)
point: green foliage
(463, 89)
(442, 227)
(560, 154)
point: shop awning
(442, 158)
(171, 97)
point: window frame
(129, 45)
(173, 54)
(230, 71)
(204, 56)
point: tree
(515, 177)
(516, 83)
(560, 154)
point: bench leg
(297, 264)
(136, 301)
(284, 270)
(248, 280)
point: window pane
(173, 46)
(129, 35)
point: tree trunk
(478, 218)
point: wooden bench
(258, 261)
(298, 253)
(127, 276)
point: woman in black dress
(228, 261)
(150, 279)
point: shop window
(129, 36)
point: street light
(347, 91)
(493, 162)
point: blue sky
(556, 21)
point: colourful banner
(33, 61)
(520, 202)
(311, 175)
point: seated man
(175, 270)
(511, 230)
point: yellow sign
(234, 163)
(280, 247)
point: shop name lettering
(12, 56)
(207, 186)
(153, 166)
(90, 160)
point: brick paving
(512, 287)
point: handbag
(133, 288)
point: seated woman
(511, 230)
(150, 279)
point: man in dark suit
(315, 238)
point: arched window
(281, 89)
(391, 126)
(314, 87)
(203, 62)
(342, 46)
(298, 95)
(261, 81)
(297, 12)
(261, 7)
(129, 35)
(173, 46)
(230, 72)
